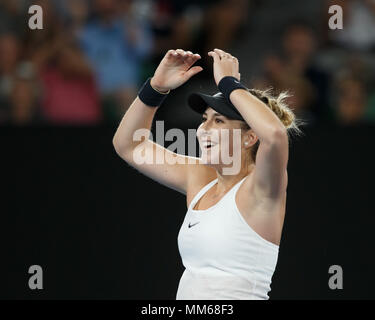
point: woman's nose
(203, 130)
(206, 125)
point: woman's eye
(203, 119)
(218, 121)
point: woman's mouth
(208, 144)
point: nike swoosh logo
(192, 225)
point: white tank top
(224, 258)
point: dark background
(102, 230)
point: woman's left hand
(224, 65)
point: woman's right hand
(175, 69)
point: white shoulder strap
(201, 192)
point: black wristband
(149, 96)
(228, 84)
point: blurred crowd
(87, 64)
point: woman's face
(219, 139)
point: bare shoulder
(199, 175)
(252, 204)
(265, 215)
(248, 187)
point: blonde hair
(279, 106)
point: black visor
(199, 102)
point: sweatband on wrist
(150, 96)
(228, 84)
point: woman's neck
(226, 182)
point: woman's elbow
(116, 145)
(119, 147)
(276, 136)
(280, 133)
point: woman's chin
(208, 161)
(211, 157)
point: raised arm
(270, 175)
(174, 70)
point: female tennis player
(229, 240)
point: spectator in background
(116, 43)
(163, 23)
(202, 26)
(13, 16)
(74, 14)
(25, 97)
(351, 99)
(70, 95)
(354, 92)
(222, 21)
(295, 69)
(9, 57)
